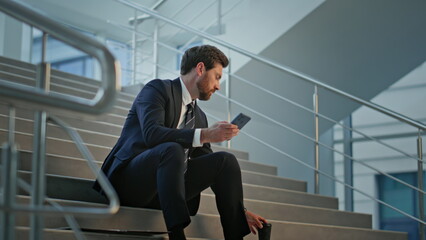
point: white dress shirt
(186, 99)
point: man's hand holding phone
(241, 120)
(224, 131)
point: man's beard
(204, 93)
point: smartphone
(240, 120)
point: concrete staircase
(294, 213)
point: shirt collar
(186, 97)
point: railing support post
(219, 17)
(9, 176)
(228, 96)
(134, 45)
(316, 140)
(420, 185)
(348, 164)
(38, 178)
(155, 51)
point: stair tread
(98, 150)
(64, 234)
(81, 189)
(281, 228)
(284, 203)
(27, 71)
(78, 167)
(295, 213)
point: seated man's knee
(172, 150)
(230, 161)
(172, 147)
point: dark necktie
(189, 116)
(189, 124)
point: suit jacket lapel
(177, 100)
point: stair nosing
(335, 226)
(101, 162)
(244, 184)
(298, 206)
(54, 125)
(275, 177)
(90, 204)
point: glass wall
(68, 59)
(401, 197)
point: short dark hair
(209, 55)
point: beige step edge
(280, 228)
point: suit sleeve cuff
(196, 141)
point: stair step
(237, 153)
(286, 196)
(61, 85)
(108, 118)
(54, 131)
(80, 189)
(23, 233)
(57, 146)
(208, 225)
(99, 142)
(297, 231)
(92, 130)
(257, 167)
(294, 213)
(293, 231)
(67, 148)
(23, 71)
(89, 123)
(76, 167)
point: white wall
(254, 25)
(250, 25)
(350, 45)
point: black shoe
(265, 232)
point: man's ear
(200, 68)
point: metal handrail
(193, 17)
(114, 203)
(138, 18)
(263, 89)
(72, 222)
(336, 180)
(324, 173)
(302, 107)
(210, 24)
(103, 100)
(323, 116)
(316, 83)
(110, 68)
(287, 69)
(308, 110)
(323, 145)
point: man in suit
(163, 158)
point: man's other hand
(254, 221)
(219, 132)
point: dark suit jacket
(152, 120)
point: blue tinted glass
(401, 197)
(122, 52)
(63, 57)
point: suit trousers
(156, 179)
